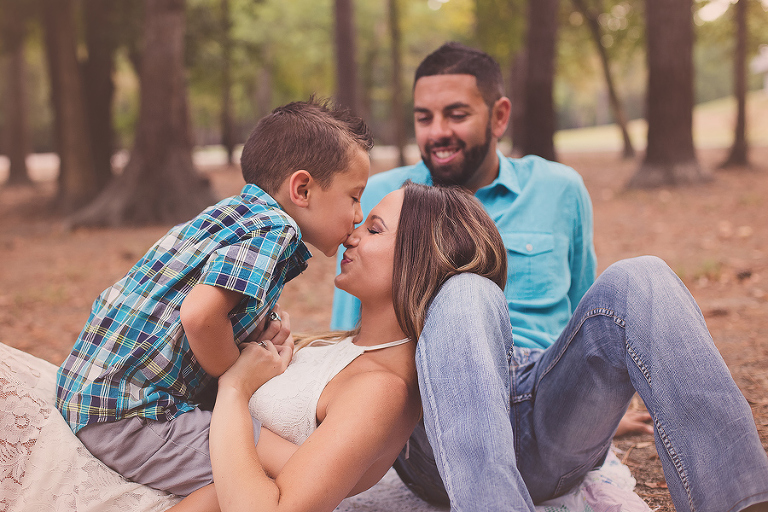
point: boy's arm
(205, 318)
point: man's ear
(500, 116)
(300, 184)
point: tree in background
(78, 182)
(539, 107)
(500, 31)
(101, 36)
(739, 151)
(670, 156)
(398, 119)
(159, 184)
(591, 14)
(346, 60)
(228, 137)
(13, 28)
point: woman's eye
(373, 231)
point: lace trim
(43, 466)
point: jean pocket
(575, 476)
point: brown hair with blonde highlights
(443, 231)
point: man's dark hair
(457, 59)
(311, 135)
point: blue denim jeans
(513, 427)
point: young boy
(156, 341)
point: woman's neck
(378, 324)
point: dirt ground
(715, 236)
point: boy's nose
(358, 213)
(353, 239)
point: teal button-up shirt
(544, 215)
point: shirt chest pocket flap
(530, 264)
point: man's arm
(583, 261)
(205, 318)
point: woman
(394, 263)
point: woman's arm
(367, 422)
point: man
(637, 323)
(500, 453)
(541, 208)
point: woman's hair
(443, 231)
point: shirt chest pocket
(531, 265)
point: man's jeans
(637, 328)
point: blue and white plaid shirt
(132, 358)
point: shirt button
(529, 247)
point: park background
(119, 119)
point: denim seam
(676, 461)
(673, 455)
(447, 483)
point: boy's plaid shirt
(132, 358)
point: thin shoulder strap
(386, 345)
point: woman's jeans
(636, 329)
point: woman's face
(368, 262)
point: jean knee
(468, 293)
(640, 273)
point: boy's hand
(275, 326)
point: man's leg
(463, 371)
(638, 328)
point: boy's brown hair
(311, 135)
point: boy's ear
(299, 186)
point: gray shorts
(171, 456)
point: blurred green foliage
(283, 51)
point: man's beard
(459, 173)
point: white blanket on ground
(43, 466)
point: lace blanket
(43, 466)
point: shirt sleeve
(250, 265)
(583, 258)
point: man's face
(453, 130)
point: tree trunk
(739, 155)
(398, 119)
(100, 35)
(618, 110)
(159, 184)
(77, 178)
(227, 122)
(670, 158)
(517, 97)
(15, 107)
(346, 67)
(539, 107)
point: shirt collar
(297, 262)
(251, 192)
(507, 177)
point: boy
(156, 341)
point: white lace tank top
(287, 403)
